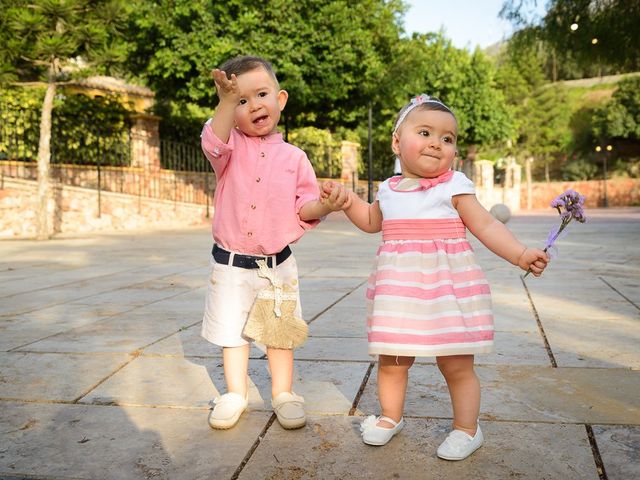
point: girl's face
(258, 111)
(426, 143)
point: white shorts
(230, 296)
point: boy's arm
(223, 117)
(314, 209)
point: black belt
(248, 261)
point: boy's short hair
(246, 63)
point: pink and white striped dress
(427, 296)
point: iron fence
(113, 161)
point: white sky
(466, 22)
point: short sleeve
(307, 190)
(460, 185)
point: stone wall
(75, 209)
(189, 187)
(621, 192)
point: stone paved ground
(103, 374)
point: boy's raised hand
(227, 88)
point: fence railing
(110, 161)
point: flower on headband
(570, 206)
(422, 98)
(416, 101)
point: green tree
(520, 67)
(429, 63)
(584, 37)
(54, 39)
(620, 118)
(330, 55)
(544, 131)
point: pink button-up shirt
(262, 182)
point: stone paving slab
(128, 285)
(328, 388)
(121, 334)
(187, 342)
(341, 322)
(337, 349)
(330, 447)
(527, 393)
(510, 348)
(316, 295)
(619, 447)
(51, 377)
(606, 343)
(103, 442)
(137, 294)
(27, 281)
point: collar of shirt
(272, 138)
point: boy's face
(426, 143)
(258, 112)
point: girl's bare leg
(235, 363)
(464, 389)
(393, 376)
(281, 367)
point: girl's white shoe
(372, 434)
(459, 445)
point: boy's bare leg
(464, 389)
(393, 375)
(281, 367)
(235, 362)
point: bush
(84, 130)
(580, 169)
(323, 150)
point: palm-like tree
(55, 40)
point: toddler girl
(427, 296)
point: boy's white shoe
(289, 410)
(372, 434)
(459, 445)
(227, 410)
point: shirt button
(263, 138)
(262, 154)
(249, 234)
(253, 207)
(258, 179)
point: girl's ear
(282, 98)
(395, 144)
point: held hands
(227, 89)
(533, 259)
(335, 196)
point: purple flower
(573, 204)
(570, 206)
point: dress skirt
(428, 298)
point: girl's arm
(366, 216)
(496, 237)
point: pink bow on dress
(424, 183)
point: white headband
(415, 101)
